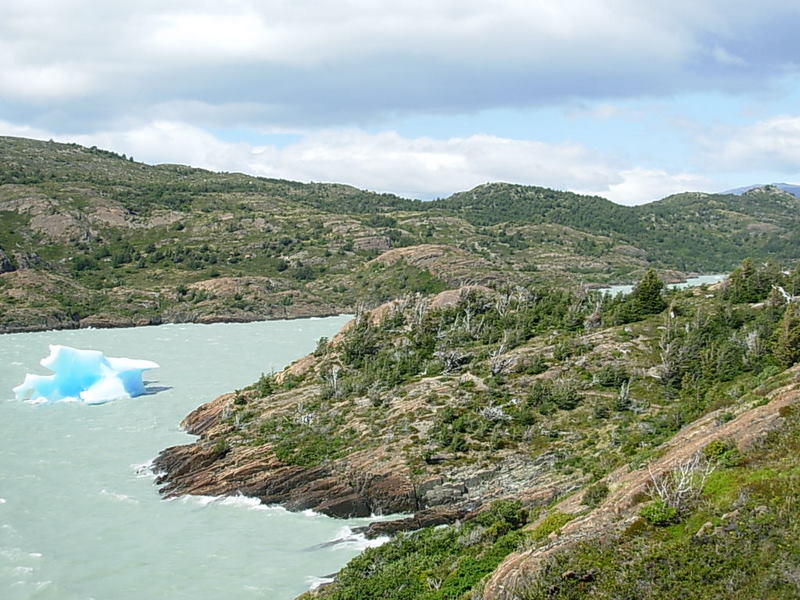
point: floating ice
(85, 376)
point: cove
(80, 517)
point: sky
(625, 99)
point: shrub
(507, 511)
(722, 452)
(660, 514)
(595, 494)
(221, 448)
(552, 522)
(612, 376)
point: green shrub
(221, 448)
(552, 522)
(659, 514)
(722, 452)
(507, 511)
(612, 375)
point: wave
(239, 501)
(347, 539)
(314, 582)
(242, 501)
(118, 497)
(145, 470)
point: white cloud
(43, 82)
(324, 30)
(388, 162)
(537, 52)
(772, 144)
(640, 185)
(210, 37)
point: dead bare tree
(499, 363)
(680, 486)
(333, 378)
(451, 359)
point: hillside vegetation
(89, 237)
(531, 420)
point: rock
(374, 242)
(26, 260)
(198, 469)
(705, 529)
(440, 515)
(731, 515)
(104, 322)
(447, 493)
(6, 265)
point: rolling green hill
(90, 237)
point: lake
(80, 517)
(690, 282)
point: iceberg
(85, 376)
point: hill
(90, 237)
(786, 187)
(546, 443)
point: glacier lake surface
(80, 517)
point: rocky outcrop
(431, 517)
(214, 470)
(450, 264)
(370, 478)
(5, 264)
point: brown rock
(440, 515)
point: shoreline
(111, 323)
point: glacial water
(80, 517)
(690, 282)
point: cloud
(640, 185)
(44, 82)
(335, 64)
(421, 167)
(772, 144)
(724, 57)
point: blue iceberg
(85, 376)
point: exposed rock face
(424, 518)
(373, 242)
(26, 260)
(450, 264)
(207, 470)
(5, 263)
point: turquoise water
(80, 517)
(690, 282)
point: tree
(646, 297)
(787, 338)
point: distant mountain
(793, 189)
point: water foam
(346, 538)
(118, 497)
(314, 582)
